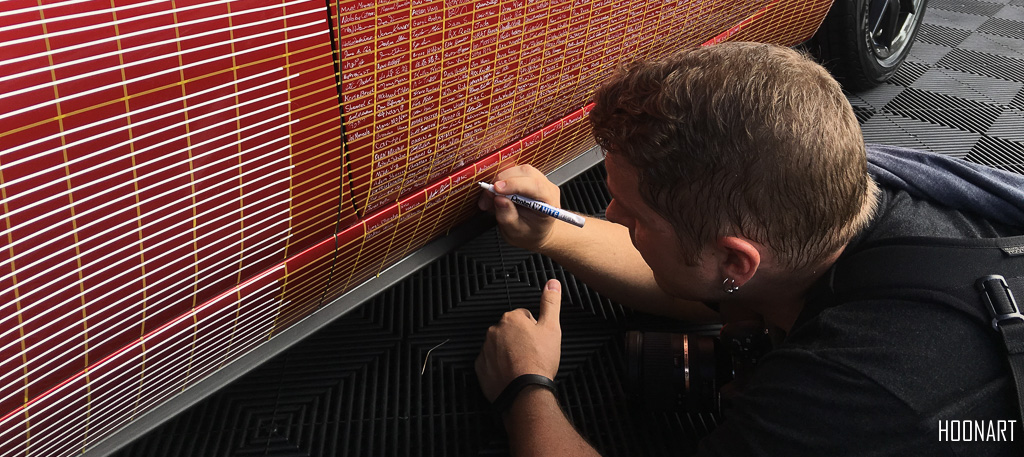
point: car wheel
(863, 42)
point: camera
(693, 372)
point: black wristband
(507, 396)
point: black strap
(1013, 336)
(946, 267)
(507, 396)
(1008, 321)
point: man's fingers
(550, 303)
(517, 170)
(505, 211)
(528, 314)
(527, 186)
(486, 201)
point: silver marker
(540, 207)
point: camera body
(693, 372)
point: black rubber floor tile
(965, 6)
(954, 19)
(1003, 27)
(943, 36)
(980, 63)
(994, 44)
(950, 111)
(1013, 13)
(1009, 125)
(927, 53)
(863, 114)
(892, 129)
(356, 388)
(908, 72)
(876, 98)
(983, 89)
(1018, 101)
(999, 153)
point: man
(739, 180)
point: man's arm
(537, 427)
(600, 254)
(519, 345)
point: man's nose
(612, 214)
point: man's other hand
(519, 344)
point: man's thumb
(550, 303)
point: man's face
(652, 235)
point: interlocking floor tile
(1003, 27)
(951, 18)
(908, 72)
(1009, 125)
(927, 53)
(978, 88)
(1018, 101)
(939, 35)
(994, 44)
(1013, 13)
(877, 97)
(999, 153)
(980, 63)
(946, 110)
(972, 7)
(887, 128)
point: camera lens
(676, 371)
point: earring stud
(729, 285)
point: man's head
(741, 139)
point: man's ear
(742, 258)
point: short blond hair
(744, 139)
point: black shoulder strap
(1008, 321)
(939, 264)
(975, 276)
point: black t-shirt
(880, 377)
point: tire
(863, 42)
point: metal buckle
(998, 299)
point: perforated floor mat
(356, 387)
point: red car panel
(181, 181)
